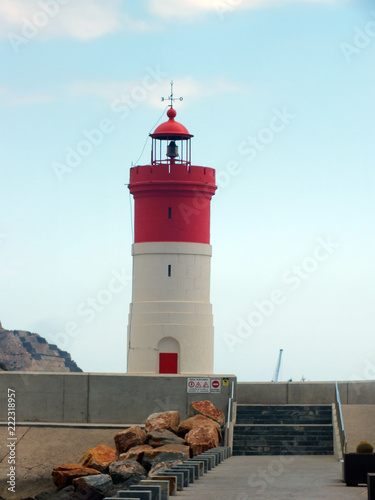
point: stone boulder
(162, 466)
(201, 439)
(196, 421)
(173, 449)
(161, 437)
(167, 453)
(207, 409)
(101, 482)
(64, 494)
(88, 494)
(69, 493)
(124, 440)
(136, 453)
(63, 475)
(99, 457)
(125, 485)
(122, 470)
(165, 420)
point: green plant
(364, 447)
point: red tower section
(171, 196)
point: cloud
(147, 89)
(189, 88)
(9, 97)
(184, 9)
(78, 19)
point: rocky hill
(25, 351)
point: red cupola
(171, 139)
(171, 129)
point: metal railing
(340, 421)
(231, 416)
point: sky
(280, 98)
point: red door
(168, 362)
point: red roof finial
(171, 113)
(171, 129)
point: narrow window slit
(169, 212)
(169, 270)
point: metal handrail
(230, 423)
(342, 433)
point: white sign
(198, 384)
(215, 385)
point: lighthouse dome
(171, 130)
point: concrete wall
(129, 399)
(100, 398)
(352, 392)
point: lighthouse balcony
(177, 172)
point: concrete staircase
(283, 430)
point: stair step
(281, 451)
(284, 414)
(259, 421)
(283, 429)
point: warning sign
(225, 382)
(198, 384)
(215, 385)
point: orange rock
(63, 475)
(196, 421)
(136, 453)
(201, 439)
(133, 436)
(165, 420)
(99, 457)
(207, 409)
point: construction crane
(277, 371)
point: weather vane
(171, 97)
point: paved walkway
(237, 478)
(274, 478)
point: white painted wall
(176, 306)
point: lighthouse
(170, 327)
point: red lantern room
(171, 139)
